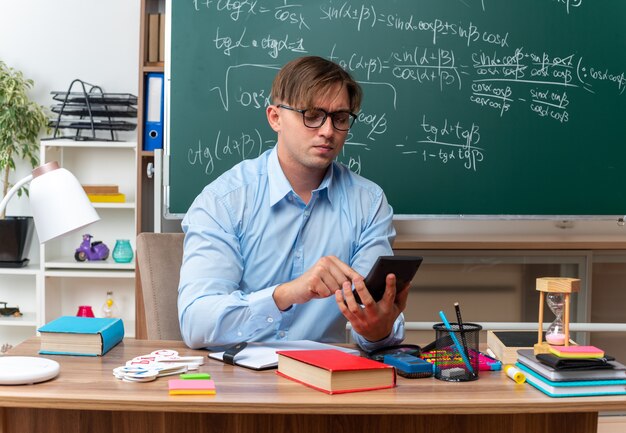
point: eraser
(453, 373)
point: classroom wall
(55, 42)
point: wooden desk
(86, 397)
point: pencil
(457, 308)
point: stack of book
(576, 377)
(104, 194)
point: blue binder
(153, 115)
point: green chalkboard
(472, 107)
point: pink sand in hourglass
(556, 339)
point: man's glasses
(315, 117)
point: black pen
(460, 323)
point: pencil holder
(456, 352)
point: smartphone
(403, 267)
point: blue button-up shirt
(248, 232)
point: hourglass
(556, 291)
(555, 334)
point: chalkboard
(472, 107)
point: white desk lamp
(58, 202)
(59, 205)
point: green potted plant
(21, 121)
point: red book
(333, 371)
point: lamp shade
(58, 202)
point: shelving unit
(145, 158)
(20, 287)
(66, 283)
(54, 283)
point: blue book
(86, 336)
(573, 388)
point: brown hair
(304, 79)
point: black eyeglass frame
(326, 114)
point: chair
(159, 257)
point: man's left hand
(374, 321)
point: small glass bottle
(123, 252)
(109, 308)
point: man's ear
(273, 117)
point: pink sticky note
(191, 384)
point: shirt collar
(279, 185)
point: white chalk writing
(406, 60)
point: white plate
(22, 370)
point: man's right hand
(321, 281)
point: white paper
(259, 356)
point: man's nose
(327, 127)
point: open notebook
(261, 356)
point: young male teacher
(274, 245)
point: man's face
(305, 150)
